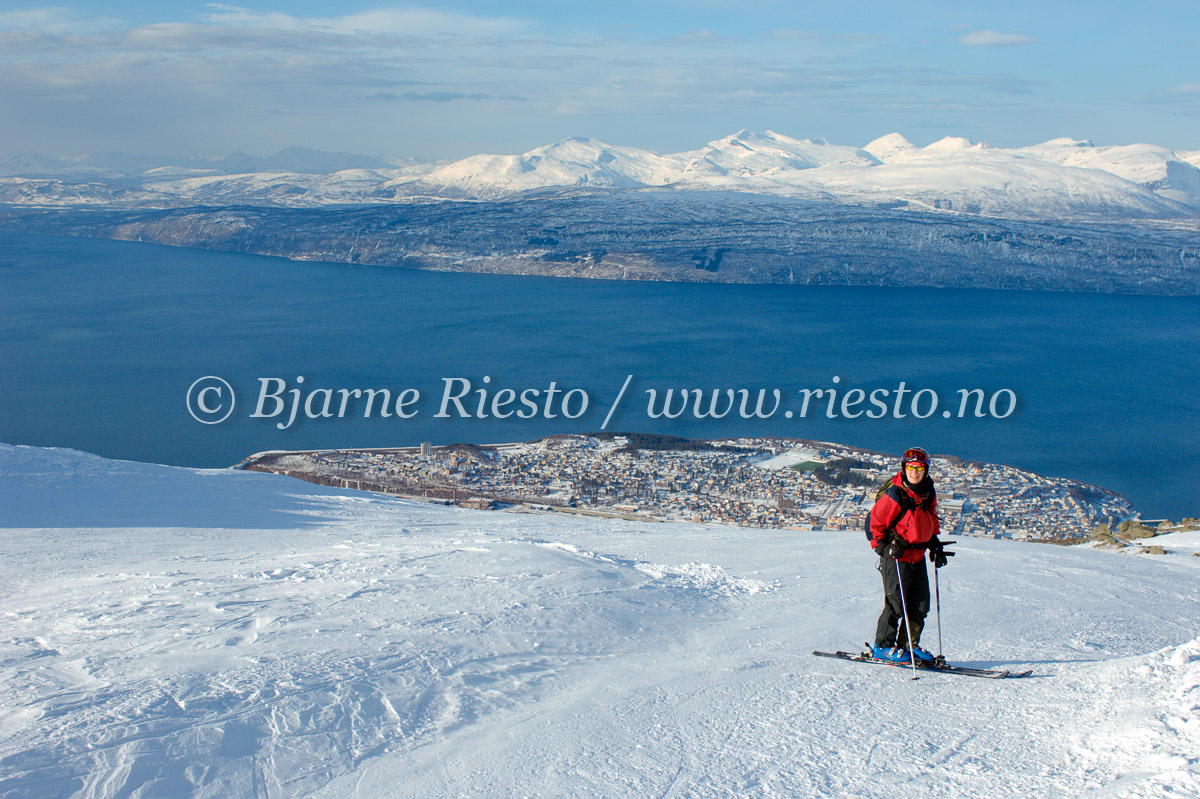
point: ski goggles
(916, 454)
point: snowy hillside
(1056, 179)
(173, 632)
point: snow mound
(66, 488)
(954, 145)
(1156, 731)
(704, 577)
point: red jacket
(916, 527)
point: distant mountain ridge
(1060, 178)
(300, 160)
(753, 207)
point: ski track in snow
(374, 647)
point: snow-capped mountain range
(1060, 178)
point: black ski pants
(890, 630)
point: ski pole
(937, 591)
(912, 658)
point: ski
(944, 668)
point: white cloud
(405, 21)
(1187, 88)
(421, 81)
(703, 36)
(54, 20)
(993, 39)
(790, 33)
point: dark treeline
(662, 442)
(837, 472)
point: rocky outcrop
(1102, 536)
(1187, 525)
(1132, 529)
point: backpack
(902, 497)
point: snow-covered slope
(959, 176)
(571, 162)
(579, 162)
(748, 153)
(275, 188)
(1168, 173)
(951, 174)
(173, 632)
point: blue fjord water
(101, 341)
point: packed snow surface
(174, 632)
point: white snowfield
(1060, 178)
(952, 174)
(169, 632)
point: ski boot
(924, 657)
(895, 654)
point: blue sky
(452, 79)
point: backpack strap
(904, 501)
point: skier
(904, 524)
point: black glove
(938, 554)
(892, 547)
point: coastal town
(749, 482)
